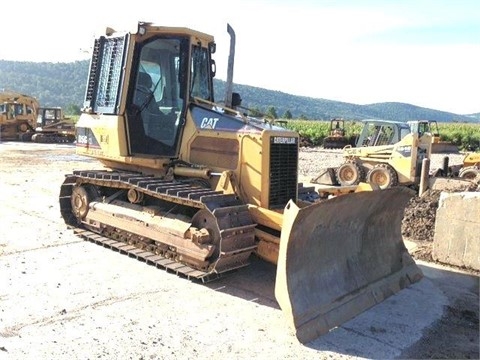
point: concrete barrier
(457, 230)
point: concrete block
(457, 230)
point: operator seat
(144, 96)
(147, 125)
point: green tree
(287, 115)
(73, 109)
(255, 112)
(272, 112)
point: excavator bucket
(340, 257)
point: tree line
(63, 84)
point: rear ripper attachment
(103, 207)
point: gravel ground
(64, 298)
(313, 159)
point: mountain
(53, 84)
(63, 84)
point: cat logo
(209, 123)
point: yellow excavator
(197, 187)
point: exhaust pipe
(231, 57)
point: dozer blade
(341, 257)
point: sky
(421, 52)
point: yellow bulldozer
(431, 126)
(337, 137)
(197, 187)
(22, 118)
(53, 126)
(18, 116)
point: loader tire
(350, 173)
(469, 172)
(383, 175)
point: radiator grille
(283, 171)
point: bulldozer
(196, 187)
(22, 118)
(53, 126)
(431, 126)
(337, 137)
(18, 116)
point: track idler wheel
(204, 219)
(82, 196)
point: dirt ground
(461, 319)
(454, 335)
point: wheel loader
(382, 163)
(196, 187)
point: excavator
(197, 187)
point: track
(224, 212)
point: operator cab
(156, 106)
(147, 89)
(377, 132)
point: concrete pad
(457, 230)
